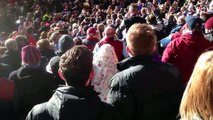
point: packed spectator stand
(37, 37)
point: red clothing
(117, 44)
(31, 40)
(175, 35)
(184, 51)
(7, 88)
(11, 1)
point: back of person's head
(91, 31)
(43, 44)
(43, 35)
(181, 20)
(141, 39)
(197, 101)
(21, 40)
(11, 45)
(29, 30)
(30, 56)
(76, 65)
(109, 32)
(133, 8)
(65, 43)
(151, 19)
(100, 27)
(77, 41)
(55, 37)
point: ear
(103, 33)
(128, 50)
(61, 75)
(91, 77)
(155, 48)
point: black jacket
(11, 58)
(132, 20)
(146, 90)
(33, 86)
(5, 70)
(69, 103)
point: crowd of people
(106, 59)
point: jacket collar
(80, 92)
(91, 38)
(109, 39)
(133, 61)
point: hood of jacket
(14, 54)
(70, 101)
(133, 61)
(91, 38)
(65, 43)
(28, 71)
(195, 39)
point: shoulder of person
(38, 112)
(120, 79)
(108, 112)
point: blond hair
(11, 44)
(43, 44)
(197, 101)
(133, 8)
(141, 39)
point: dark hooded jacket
(46, 55)
(11, 58)
(5, 70)
(184, 51)
(65, 43)
(33, 86)
(70, 103)
(146, 89)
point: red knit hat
(91, 31)
(30, 55)
(209, 23)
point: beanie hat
(53, 65)
(30, 55)
(65, 43)
(209, 23)
(193, 22)
(91, 31)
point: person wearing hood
(76, 100)
(208, 34)
(65, 43)
(33, 85)
(91, 39)
(184, 51)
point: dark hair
(76, 65)
(77, 41)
